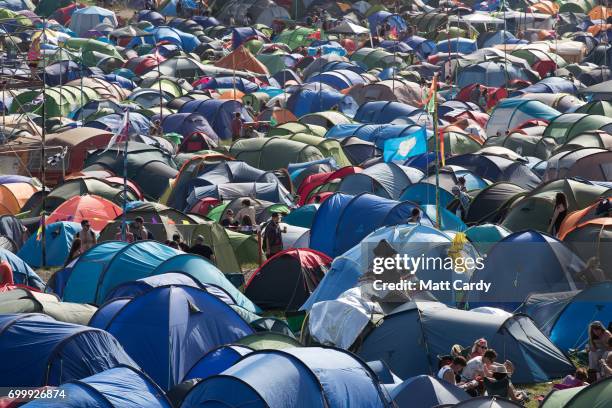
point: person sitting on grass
(449, 373)
(501, 386)
(598, 345)
(579, 379)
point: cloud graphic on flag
(406, 146)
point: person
(87, 236)
(76, 249)
(156, 128)
(479, 348)
(597, 346)
(6, 274)
(228, 219)
(449, 373)
(273, 239)
(484, 98)
(475, 94)
(200, 248)
(593, 273)
(181, 245)
(415, 216)
(179, 8)
(604, 207)
(579, 379)
(246, 210)
(479, 366)
(464, 201)
(559, 214)
(247, 224)
(129, 237)
(236, 126)
(461, 184)
(172, 244)
(501, 386)
(605, 367)
(140, 232)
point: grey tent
(424, 391)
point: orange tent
(241, 59)
(99, 211)
(576, 219)
(280, 115)
(232, 94)
(600, 13)
(13, 196)
(545, 7)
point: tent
(168, 328)
(565, 316)
(271, 192)
(590, 163)
(14, 195)
(20, 300)
(387, 180)
(383, 112)
(413, 335)
(306, 100)
(491, 203)
(287, 279)
(424, 391)
(22, 273)
(272, 153)
(487, 402)
(484, 236)
(494, 73)
(564, 127)
(37, 350)
(122, 386)
(219, 113)
(85, 19)
(97, 210)
(371, 58)
(58, 240)
(522, 263)
(512, 112)
(13, 229)
(302, 216)
(216, 361)
(316, 377)
(344, 220)
(596, 395)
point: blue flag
(401, 148)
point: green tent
(565, 126)
(603, 108)
(6, 14)
(534, 55)
(245, 247)
(46, 7)
(274, 61)
(59, 100)
(329, 147)
(326, 119)
(290, 128)
(298, 37)
(89, 48)
(376, 58)
(526, 144)
(455, 143)
(269, 341)
(576, 6)
(535, 210)
(273, 152)
(596, 395)
(257, 100)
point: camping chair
(497, 388)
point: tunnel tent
(219, 113)
(186, 323)
(343, 220)
(384, 112)
(590, 163)
(413, 335)
(13, 196)
(326, 119)
(121, 386)
(328, 147)
(37, 350)
(564, 316)
(370, 58)
(491, 203)
(272, 153)
(290, 128)
(566, 126)
(386, 180)
(268, 341)
(597, 395)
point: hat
(200, 238)
(499, 368)
(455, 189)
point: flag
(432, 96)
(393, 33)
(401, 148)
(273, 121)
(119, 134)
(441, 141)
(55, 159)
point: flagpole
(43, 164)
(125, 166)
(437, 147)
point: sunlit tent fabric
(413, 240)
(565, 127)
(457, 45)
(37, 350)
(596, 395)
(328, 147)
(487, 402)
(523, 263)
(58, 240)
(302, 216)
(219, 113)
(286, 280)
(188, 42)
(370, 58)
(339, 79)
(216, 361)
(382, 112)
(411, 337)
(313, 377)
(272, 153)
(491, 73)
(85, 19)
(121, 386)
(305, 101)
(22, 273)
(489, 204)
(386, 180)
(593, 164)
(383, 17)
(562, 316)
(271, 192)
(512, 112)
(424, 391)
(376, 133)
(97, 210)
(343, 220)
(168, 328)
(295, 38)
(484, 236)
(14, 195)
(395, 90)
(535, 210)
(497, 169)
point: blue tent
(167, 329)
(151, 16)
(302, 216)
(37, 350)
(228, 82)
(411, 338)
(413, 240)
(396, 46)
(22, 273)
(119, 387)
(484, 236)
(243, 34)
(497, 169)
(307, 100)
(219, 113)
(384, 112)
(84, 19)
(139, 124)
(58, 240)
(188, 42)
(549, 85)
(522, 263)
(457, 45)
(216, 361)
(491, 38)
(121, 77)
(377, 134)
(272, 192)
(344, 220)
(422, 46)
(309, 377)
(395, 21)
(449, 221)
(206, 21)
(339, 79)
(98, 271)
(186, 124)
(424, 192)
(424, 391)
(491, 73)
(386, 180)
(61, 72)
(564, 317)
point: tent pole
(43, 164)
(125, 166)
(437, 147)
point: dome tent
(37, 350)
(168, 328)
(216, 361)
(22, 273)
(424, 391)
(398, 341)
(58, 240)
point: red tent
(99, 211)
